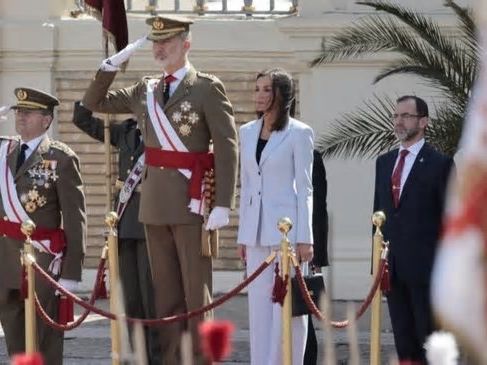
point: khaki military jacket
(199, 111)
(51, 202)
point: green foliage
(446, 62)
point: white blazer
(279, 186)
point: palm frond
(435, 73)
(468, 30)
(465, 16)
(376, 34)
(364, 133)
(445, 129)
(423, 26)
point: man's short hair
(186, 36)
(421, 106)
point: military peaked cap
(164, 27)
(34, 99)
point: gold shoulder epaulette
(58, 145)
(206, 76)
(11, 138)
(150, 77)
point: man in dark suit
(410, 186)
(320, 236)
(134, 262)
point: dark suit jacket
(414, 227)
(320, 213)
(124, 136)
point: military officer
(179, 112)
(40, 180)
(133, 259)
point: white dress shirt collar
(415, 148)
(32, 144)
(179, 75)
(409, 160)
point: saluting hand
(112, 63)
(4, 111)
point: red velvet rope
(365, 304)
(157, 321)
(70, 326)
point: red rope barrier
(365, 304)
(70, 326)
(157, 321)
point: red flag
(114, 21)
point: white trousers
(265, 317)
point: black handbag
(316, 287)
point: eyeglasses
(404, 116)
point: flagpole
(108, 163)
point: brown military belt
(119, 185)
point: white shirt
(32, 144)
(179, 75)
(408, 161)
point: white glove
(4, 111)
(69, 285)
(219, 217)
(112, 63)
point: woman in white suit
(276, 156)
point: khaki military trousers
(12, 317)
(179, 275)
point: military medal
(177, 117)
(30, 207)
(193, 118)
(185, 106)
(185, 118)
(40, 175)
(185, 129)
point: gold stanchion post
(111, 220)
(28, 227)
(285, 225)
(378, 219)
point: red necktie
(396, 178)
(167, 82)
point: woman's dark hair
(282, 94)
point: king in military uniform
(41, 181)
(180, 112)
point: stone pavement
(90, 343)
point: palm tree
(447, 63)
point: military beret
(34, 99)
(164, 27)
